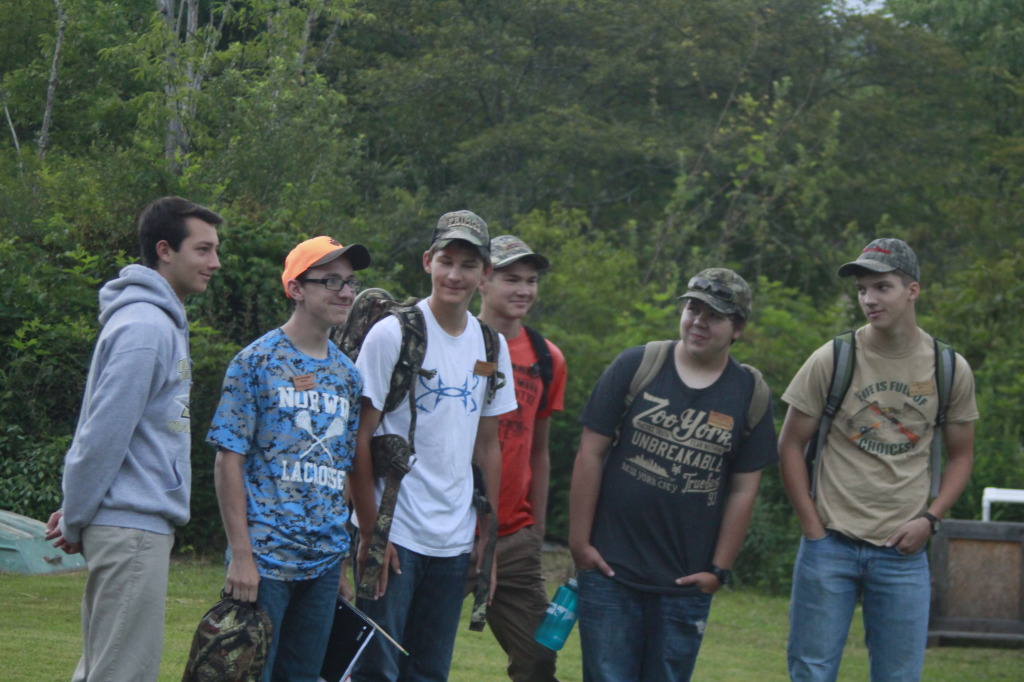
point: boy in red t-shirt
(521, 598)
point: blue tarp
(23, 548)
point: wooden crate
(977, 572)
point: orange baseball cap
(320, 251)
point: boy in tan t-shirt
(867, 524)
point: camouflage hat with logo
(508, 248)
(466, 226)
(884, 255)
(722, 289)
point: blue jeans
(829, 575)
(627, 635)
(302, 612)
(421, 609)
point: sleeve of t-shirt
(505, 397)
(234, 423)
(556, 390)
(808, 391)
(963, 405)
(377, 358)
(604, 408)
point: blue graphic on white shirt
(429, 397)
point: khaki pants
(124, 603)
(519, 605)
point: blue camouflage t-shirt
(294, 418)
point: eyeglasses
(336, 283)
(717, 290)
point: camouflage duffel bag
(230, 644)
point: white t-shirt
(434, 513)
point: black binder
(349, 635)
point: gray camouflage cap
(722, 289)
(884, 255)
(464, 225)
(508, 248)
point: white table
(991, 495)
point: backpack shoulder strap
(759, 401)
(545, 362)
(492, 347)
(945, 366)
(655, 355)
(410, 354)
(409, 365)
(844, 353)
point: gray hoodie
(129, 464)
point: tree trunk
(51, 89)
(10, 124)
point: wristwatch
(724, 575)
(932, 519)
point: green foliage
(43, 361)
(633, 143)
(980, 310)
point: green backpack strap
(945, 365)
(759, 401)
(655, 355)
(409, 366)
(392, 455)
(844, 352)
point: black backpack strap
(492, 347)
(844, 353)
(545, 362)
(945, 366)
(482, 589)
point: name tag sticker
(484, 369)
(304, 382)
(720, 421)
(922, 388)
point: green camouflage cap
(464, 225)
(722, 289)
(884, 255)
(508, 248)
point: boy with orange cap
(285, 431)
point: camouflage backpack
(230, 644)
(393, 455)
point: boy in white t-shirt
(419, 596)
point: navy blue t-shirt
(665, 480)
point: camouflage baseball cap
(508, 248)
(722, 289)
(464, 225)
(884, 255)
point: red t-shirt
(516, 430)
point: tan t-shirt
(873, 475)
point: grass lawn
(745, 639)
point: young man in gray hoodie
(127, 476)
